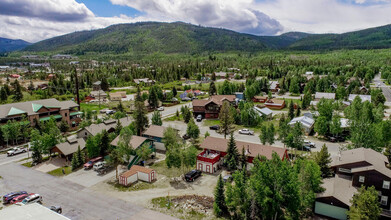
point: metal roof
(305, 121)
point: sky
(36, 20)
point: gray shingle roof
(95, 129)
(70, 146)
(305, 121)
(339, 187)
(325, 95)
(28, 107)
(363, 97)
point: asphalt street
(77, 202)
(386, 89)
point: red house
(260, 99)
(211, 108)
(211, 159)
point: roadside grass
(161, 168)
(92, 107)
(174, 118)
(29, 164)
(161, 202)
(58, 171)
(133, 187)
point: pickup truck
(246, 131)
(16, 150)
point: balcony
(209, 156)
(47, 118)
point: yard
(161, 168)
(59, 171)
(92, 107)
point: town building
(211, 108)
(62, 56)
(260, 99)
(108, 125)
(156, 134)
(146, 81)
(117, 96)
(307, 123)
(96, 86)
(362, 97)
(69, 147)
(136, 173)
(274, 86)
(354, 168)
(99, 95)
(212, 157)
(275, 103)
(41, 110)
(264, 112)
(324, 95)
(32, 211)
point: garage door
(330, 211)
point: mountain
(8, 45)
(150, 37)
(372, 38)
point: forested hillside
(7, 45)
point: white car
(246, 131)
(308, 143)
(160, 108)
(99, 165)
(16, 150)
(31, 199)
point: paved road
(386, 89)
(77, 201)
(5, 160)
(169, 111)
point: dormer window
(386, 184)
(361, 179)
(384, 200)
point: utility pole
(77, 89)
(99, 98)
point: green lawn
(161, 168)
(92, 107)
(58, 171)
(211, 122)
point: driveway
(51, 164)
(77, 202)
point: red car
(20, 198)
(91, 163)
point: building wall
(144, 177)
(83, 134)
(207, 167)
(65, 116)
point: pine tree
(291, 112)
(271, 131)
(212, 89)
(263, 136)
(226, 119)
(174, 91)
(243, 159)
(79, 156)
(219, 205)
(74, 163)
(232, 156)
(139, 115)
(156, 118)
(322, 158)
(120, 107)
(365, 204)
(18, 95)
(118, 127)
(3, 94)
(298, 112)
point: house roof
(135, 141)
(97, 83)
(199, 102)
(362, 97)
(273, 84)
(253, 150)
(319, 95)
(260, 97)
(277, 102)
(305, 121)
(155, 131)
(31, 107)
(94, 129)
(218, 99)
(265, 111)
(70, 146)
(98, 93)
(376, 160)
(115, 95)
(339, 187)
(135, 169)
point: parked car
(185, 136)
(99, 165)
(110, 112)
(309, 144)
(16, 150)
(186, 99)
(103, 170)
(246, 131)
(306, 148)
(214, 127)
(161, 108)
(7, 198)
(56, 208)
(227, 178)
(91, 163)
(104, 110)
(199, 118)
(20, 198)
(192, 175)
(31, 199)
(336, 139)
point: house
(275, 103)
(62, 56)
(156, 134)
(363, 89)
(96, 86)
(99, 95)
(306, 123)
(274, 86)
(212, 157)
(354, 168)
(41, 110)
(264, 112)
(362, 97)
(147, 81)
(135, 141)
(324, 95)
(260, 99)
(137, 173)
(223, 75)
(117, 96)
(69, 147)
(211, 108)
(108, 125)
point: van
(99, 165)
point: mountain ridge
(9, 45)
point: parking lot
(88, 178)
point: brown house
(260, 99)
(275, 103)
(354, 168)
(211, 108)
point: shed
(137, 173)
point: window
(66, 114)
(386, 184)
(343, 170)
(384, 200)
(361, 179)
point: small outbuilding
(136, 173)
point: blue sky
(35, 20)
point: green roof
(48, 118)
(75, 113)
(15, 111)
(36, 107)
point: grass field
(161, 167)
(58, 171)
(134, 187)
(92, 107)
